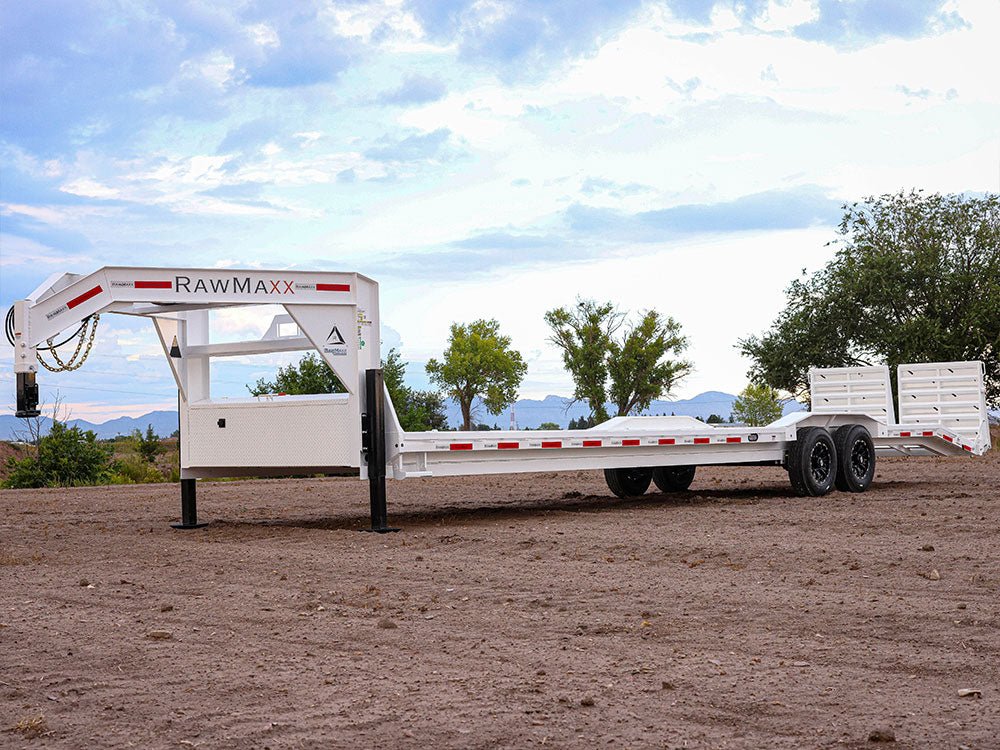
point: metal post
(374, 427)
(189, 488)
(189, 506)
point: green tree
(916, 278)
(758, 404)
(417, 411)
(478, 363)
(148, 444)
(65, 457)
(714, 419)
(583, 335)
(631, 370)
(311, 375)
(641, 365)
(548, 426)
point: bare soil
(510, 612)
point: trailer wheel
(812, 462)
(855, 458)
(673, 478)
(628, 482)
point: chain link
(72, 364)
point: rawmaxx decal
(236, 285)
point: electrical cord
(9, 330)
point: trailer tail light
(591, 443)
(460, 447)
(508, 446)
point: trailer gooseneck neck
(942, 406)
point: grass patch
(31, 726)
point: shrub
(148, 445)
(66, 457)
(133, 468)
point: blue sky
(478, 158)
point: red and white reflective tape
(89, 294)
(589, 443)
(333, 287)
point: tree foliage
(583, 423)
(478, 362)
(632, 369)
(758, 404)
(417, 410)
(148, 444)
(916, 278)
(66, 457)
(584, 335)
(310, 375)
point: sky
(478, 158)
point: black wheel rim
(634, 476)
(861, 459)
(819, 462)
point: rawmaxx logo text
(236, 285)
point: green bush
(148, 445)
(133, 468)
(66, 457)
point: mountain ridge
(528, 414)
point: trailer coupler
(27, 396)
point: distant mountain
(529, 413)
(164, 423)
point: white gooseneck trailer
(942, 405)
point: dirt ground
(510, 612)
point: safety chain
(72, 364)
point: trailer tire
(628, 482)
(812, 462)
(673, 478)
(855, 458)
